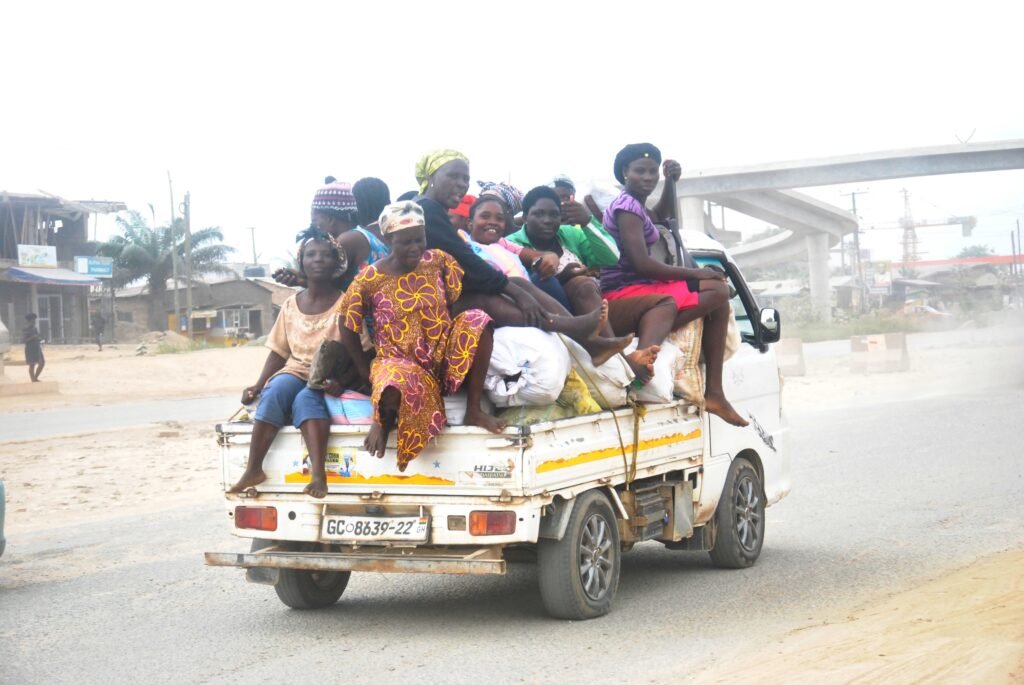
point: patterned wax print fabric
(498, 256)
(421, 350)
(622, 273)
(297, 336)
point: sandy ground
(965, 627)
(86, 376)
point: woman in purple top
(638, 274)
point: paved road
(74, 420)
(884, 497)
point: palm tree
(141, 252)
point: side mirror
(771, 329)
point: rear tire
(579, 574)
(739, 518)
(300, 589)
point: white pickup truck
(574, 493)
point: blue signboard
(101, 267)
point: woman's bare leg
(377, 439)
(653, 327)
(315, 432)
(582, 329)
(475, 416)
(714, 306)
(263, 435)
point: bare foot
(603, 349)
(376, 441)
(641, 362)
(720, 407)
(317, 487)
(580, 328)
(248, 480)
(476, 417)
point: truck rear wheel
(579, 574)
(739, 518)
(300, 589)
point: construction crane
(909, 228)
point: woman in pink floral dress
(422, 351)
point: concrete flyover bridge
(812, 227)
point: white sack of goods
(661, 387)
(609, 383)
(528, 367)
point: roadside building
(40, 237)
(222, 310)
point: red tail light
(492, 522)
(257, 518)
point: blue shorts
(287, 396)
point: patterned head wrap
(432, 161)
(399, 216)
(564, 182)
(336, 196)
(630, 154)
(313, 234)
(510, 195)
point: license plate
(375, 528)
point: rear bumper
(477, 561)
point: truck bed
(465, 460)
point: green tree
(144, 253)
(975, 251)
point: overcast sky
(250, 105)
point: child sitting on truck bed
(421, 350)
(306, 319)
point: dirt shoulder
(88, 377)
(93, 477)
(963, 627)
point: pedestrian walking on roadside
(99, 323)
(33, 347)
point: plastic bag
(528, 367)
(608, 384)
(574, 400)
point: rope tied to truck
(639, 411)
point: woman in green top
(578, 248)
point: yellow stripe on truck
(608, 452)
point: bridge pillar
(691, 211)
(817, 258)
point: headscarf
(336, 196)
(564, 181)
(630, 154)
(432, 161)
(510, 195)
(311, 234)
(463, 208)
(399, 216)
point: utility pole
(909, 231)
(187, 211)
(252, 231)
(858, 268)
(174, 254)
